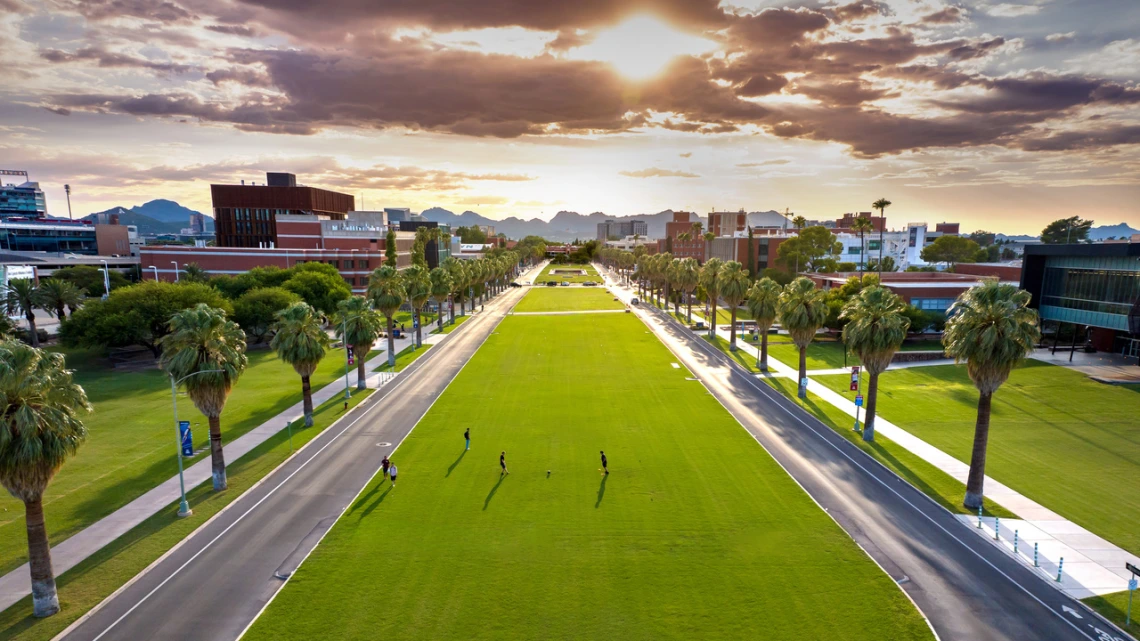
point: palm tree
(763, 300)
(875, 329)
(457, 272)
(688, 276)
(41, 428)
(417, 286)
(440, 290)
(358, 325)
(302, 342)
(708, 281)
(58, 295)
(697, 227)
(881, 204)
(387, 293)
(802, 311)
(673, 273)
(24, 298)
(732, 281)
(862, 225)
(799, 222)
(992, 328)
(208, 352)
(194, 273)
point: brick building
(682, 223)
(727, 223)
(246, 215)
(929, 291)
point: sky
(1002, 116)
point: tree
(417, 286)
(25, 298)
(57, 296)
(321, 290)
(983, 238)
(763, 301)
(207, 352)
(732, 282)
(815, 248)
(387, 293)
(862, 225)
(876, 327)
(881, 204)
(472, 235)
(41, 429)
(950, 249)
(256, 310)
(780, 276)
(302, 342)
(391, 254)
(992, 328)
(688, 274)
(708, 281)
(440, 290)
(799, 222)
(194, 273)
(358, 325)
(458, 274)
(802, 311)
(1066, 230)
(419, 247)
(90, 279)
(887, 264)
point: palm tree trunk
(307, 393)
(391, 347)
(59, 312)
(361, 375)
(462, 307)
(34, 337)
(764, 351)
(439, 316)
(803, 372)
(419, 335)
(712, 318)
(45, 601)
(217, 457)
(977, 476)
(872, 397)
(689, 302)
(732, 333)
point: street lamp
(183, 507)
(175, 270)
(106, 280)
(155, 268)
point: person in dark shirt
(467, 437)
(384, 468)
(503, 463)
(605, 463)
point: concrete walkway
(1092, 565)
(1114, 369)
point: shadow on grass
(491, 494)
(375, 504)
(601, 490)
(456, 463)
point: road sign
(1132, 584)
(187, 438)
(1132, 568)
(351, 355)
(858, 400)
(855, 378)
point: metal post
(1060, 568)
(155, 272)
(997, 528)
(979, 517)
(1035, 564)
(1015, 542)
(1074, 349)
(106, 280)
(1128, 617)
(175, 270)
(184, 506)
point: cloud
(686, 154)
(657, 172)
(103, 58)
(948, 15)
(1009, 10)
(1061, 37)
(766, 163)
(1074, 140)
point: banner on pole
(187, 437)
(351, 355)
(855, 378)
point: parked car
(550, 283)
(589, 283)
(565, 283)
(513, 284)
(699, 325)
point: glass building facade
(25, 200)
(1095, 286)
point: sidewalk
(1092, 565)
(15, 585)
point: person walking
(392, 473)
(503, 464)
(384, 468)
(604, 462)
(467, 437)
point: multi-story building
(622, 228)
(50, 235)
(727, 223)
(24, 199)
(197, 223)
(929, 291)
(435, 252)
(847, 222)
(246, 215)
(904, 247)
(489, 230)
(397, 214)
(947, 229)
(735, 248)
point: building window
(362, 264)
(854, 250)
(932, 304)
(347, 264)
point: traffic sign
(1132, 568)
(187, 436)
(858, 400)
(1132, 584)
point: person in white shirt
(392, 473)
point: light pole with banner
(858, 396)
(184, 437)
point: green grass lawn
(404, 358)
(548, 274)
(93, 580)
(1114, 607)
(567, 299)
(1056, 436)
(447, 329)
(131, 443)
(828, 354)
(696, 533)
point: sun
(642, 46)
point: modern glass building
(1095, 287)
(25, 200)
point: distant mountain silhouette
(1122, 230)
(155, 217)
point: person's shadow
(456, 463)
(602, 490)
(491, 494)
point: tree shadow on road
(456, 463)
(491, 494)
(601, 490)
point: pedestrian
(392, 473)
(384, 468)
(467, 437)
(604, 462)
(503, 463)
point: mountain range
(1121, 230)
(155, 217)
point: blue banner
(187, 438)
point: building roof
(1096, 250)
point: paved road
(214, 585)
(968, 589)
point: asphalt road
(215, 584)
(967, 589)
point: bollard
(1060, 565)
(1035, 556)
(997, 528)
(1015, 542)
(979, 517)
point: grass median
(570, 299)
(695, 534)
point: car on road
(634, 301)
(589, 283)
(550, 283)
(565, 283)
(513, 284)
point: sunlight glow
(641, 47)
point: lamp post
(67, 190)
(155, 268)
(175, 263)
(106, 280)
(183, 507)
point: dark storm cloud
(1044, 93)
(858, 10)
(1074, 140)
(103, 58)
(157, 10)
(232, 30)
